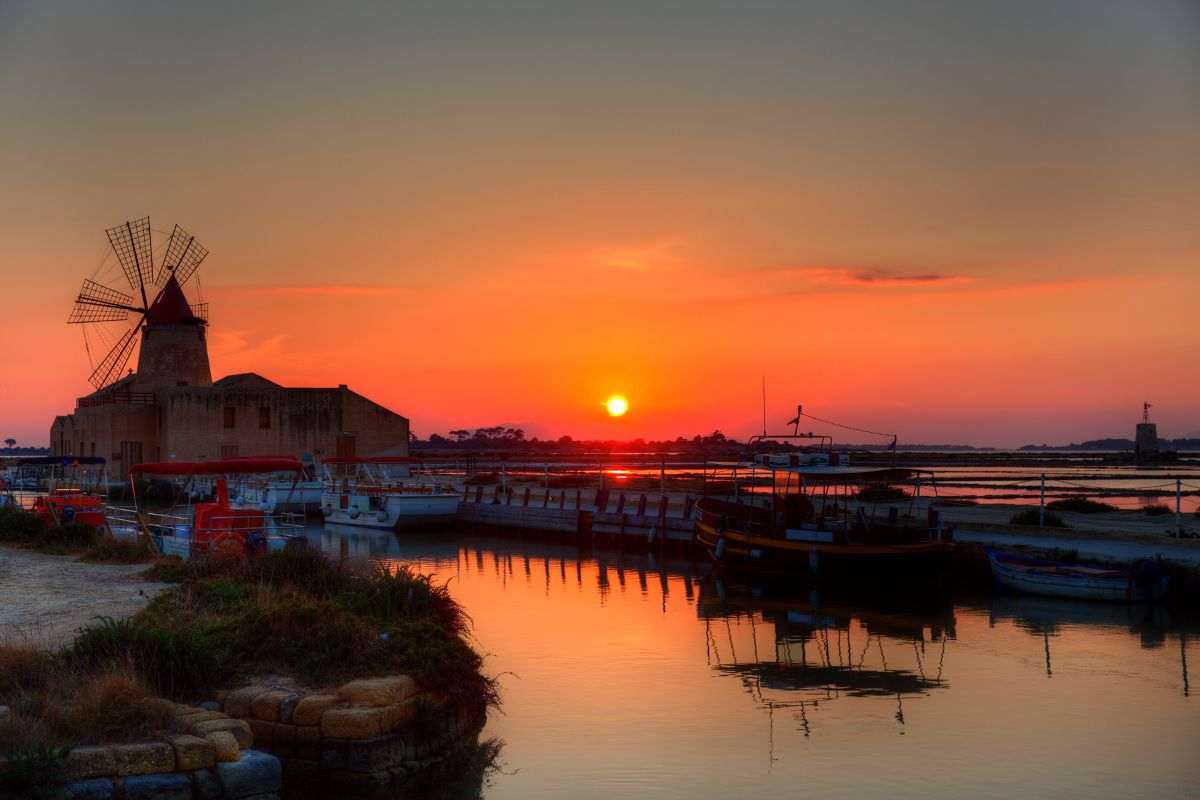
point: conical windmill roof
(171, 306)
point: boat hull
(391, 512)
(1052, 579)
(736, 548)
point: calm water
(627, 676)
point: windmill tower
(174, 345)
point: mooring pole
(1178, 507)
(1042, 504)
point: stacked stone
(211, 761)
(362, 736)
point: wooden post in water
(1042, 504)
(1178, 507)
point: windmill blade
(109, 369)
(131, 242)
(99, 303)
(182, 258)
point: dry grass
(55, 704)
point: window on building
(264, 417)
(346, 445)
(230, 417)
(229, 451)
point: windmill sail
(131, 242)
(99, 303)
(109, 369)
(182, 258)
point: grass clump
(1156, 510)
(108, 549)
(1030, 516)
(295, 613)
(1080, 505)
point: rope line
(846, 427)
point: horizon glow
(970, 225)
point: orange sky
(976, 227)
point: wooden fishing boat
(1141, 582)
(803, 522)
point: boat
(386, 492)
(61, 490)
(815, 522)
(1141, 582)
(216, 525)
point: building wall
(212, 423)
(119, 432)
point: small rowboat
(1141, 582)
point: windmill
(153, 291)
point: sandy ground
(45, 599)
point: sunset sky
(963, 224)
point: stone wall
(368, 735)
(211, 760)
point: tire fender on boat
(382, 515)
(353, 513)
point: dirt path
(44, 599)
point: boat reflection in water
(818, 648)
(628, 674)
(1049, 617)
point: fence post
(1042, 504)
(1178, 507)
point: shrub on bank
(1156, 510)
(21, 527)
(1030, 516)
(1080, 505)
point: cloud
(659, 255)
(872, 277)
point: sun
(617, 405)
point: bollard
(525, 501)
(621, 503)
(641, 506)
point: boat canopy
(820, 472)
(226, 466)
(371, 460)
(64, 461)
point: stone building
(170, 408)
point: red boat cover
(371, 460)
(227, 466)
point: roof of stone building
(248, 380)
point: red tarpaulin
(371, 460)
(228, 466)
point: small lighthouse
(1145, 443)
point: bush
(71, 537)
(1156, 510)
(19, 526)
(109, 549)
(32, 772)
(1030, 516)
(1080, 505)
(178, 661)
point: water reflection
(629, 674)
